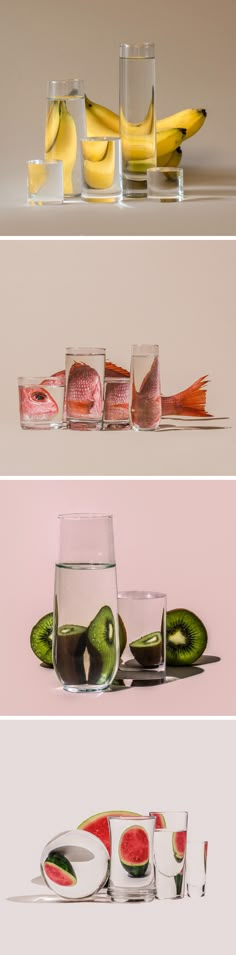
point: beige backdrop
(180, 294)
(195, 47)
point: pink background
(175, 536)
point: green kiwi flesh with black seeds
(186, 637)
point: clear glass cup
(166, 184)
(145, 388)
(44, 182)
(170, 841)
(196, 868)
(86, 648)
(74, 864)
(144, 616)
(85, 372)
(132, 863)
(137, 115)
(116, 403)
(41, 403)
(101, 169)
(65, 126)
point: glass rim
(44, 162)
(140, 595)
(142, 49)
(197, 842)
(117, 379)
(76, 84)
(176, 812)
(84, 350)
(39, 381)
(100, 139)
(138, 350)
(134, 820)
(154, 169)
(82, 516)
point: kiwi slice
(122, 635)
(41, 639)
(148, 649)
(186, 637)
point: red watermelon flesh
(179, 845)
(205, 854)
(98, 825)
(134, 850)
(58, 875)
(160, 820)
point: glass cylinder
(144, 616)
(132, 863)
(85, 371)
(116, 403)
(74, 864)
(170, 840)
(137, 115)
(44, 182)
(101, 169)
(85, 620)
(65, 126)
(145, 388)
(41, 403)
(196, 868)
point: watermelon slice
(160, 820)
(179, 845)
(98, 825)
(134, 851)
(59, 870)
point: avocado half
(148, 649)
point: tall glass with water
(137, 115)
(85, 619)
(65, 127)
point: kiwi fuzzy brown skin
(148, 650)
(186, 637)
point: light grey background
(179, 294)
(195, 48)
(58, 773)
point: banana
(190, 119)
(167, 142)
(103, 116)
(132, 129)
(95, 151)
(175, 159)
(100, 175)
(37, 177)
(65, 147)
(52, 124)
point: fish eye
(38, 396)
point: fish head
(37, 402)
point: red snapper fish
(84, 391)
(189, 403)
(37, 402)
(146, 403)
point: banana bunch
(137, 142)
(61, 141)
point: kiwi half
(148, 649)
(186, 637)
(41, 639)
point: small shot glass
(41, 403)
(143, 614)
(116, 404)
(196, 868)
(165, 183)
(44, 182)
(101, 169)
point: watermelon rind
(59, 870)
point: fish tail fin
(116, 370)
(191, 402)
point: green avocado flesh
(59, 870)
(186, 637)
(148, 649)
(41, 639)
(101, 645)
(134, 851)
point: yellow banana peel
(65, 147)
(100, 175)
